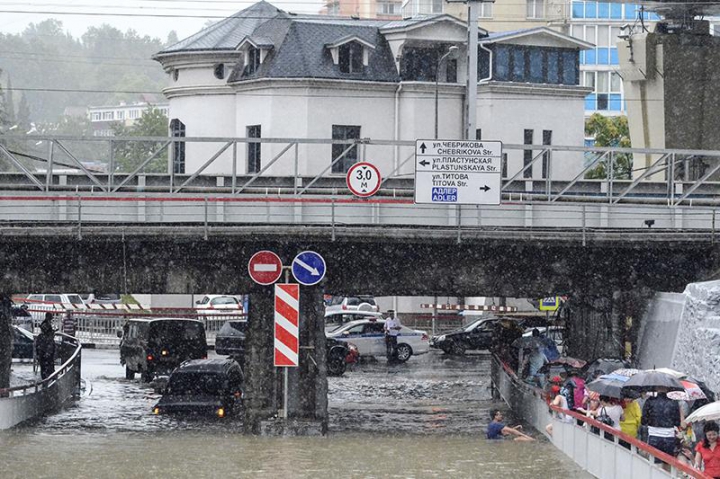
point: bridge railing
(531, 173)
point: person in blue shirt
(498, 430)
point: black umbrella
(606, 387)
(653, 381)
(602, 366)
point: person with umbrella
(663, 416)
(708, 452)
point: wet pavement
(424, 418)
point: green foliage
(610, 132)
(44, 58)
(131, 154)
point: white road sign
(461, 172)
(363, 179)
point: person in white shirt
(392, 330)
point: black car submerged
(203, 386)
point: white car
(335, 319)
(39, 304)
(341, 304)
(369, 337)
(218, 304)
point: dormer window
(351, 58)
(252, 61)
(350, 54)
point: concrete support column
(260, 376)
(312, 385)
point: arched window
(177, 130)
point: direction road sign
(308, 268)
(265, 267)
(287, 323)
(460, 172)
(363, 179)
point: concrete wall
(682, 331)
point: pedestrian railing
(609, 453)
(22, 403)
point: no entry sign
(287, 322)
(265, 267)
(363, 179)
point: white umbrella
(709, 412)
(671, 372)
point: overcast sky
(148, 17)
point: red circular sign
(265, 267)
(363, 179)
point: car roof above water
(206, 365)
(150, 320)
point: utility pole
(472, 63)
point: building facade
(102, 118)
(384, 9)
(263, 73)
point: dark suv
(475, 336)
(157, 346)
(204, 386)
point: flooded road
(425, 418)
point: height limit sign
(458, 172)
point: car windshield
(195, 383)
(224, 300)
(239, 326)
(473, 325)
(75, 299)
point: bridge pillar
(6, 337)
(307, 403)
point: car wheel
(129, 373)
(458, 349)
(336, 366)
(403, 352)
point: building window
(120, 115)
(478, 134)
(107, 115)
(175, 74)
(133, 114)
(504, 165)
(254, 161)
(451, 71)
(177, 130)
(219, 71)
(437, 6)
(518, 59)
(486, 10)
(547, 140)
(388, 8)
(253, 61)
(351, 57)
(344, 132)
(535, 9)
(96, 117)
(527, 154)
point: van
(40, 303)
(156, 346)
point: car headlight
(440, 338)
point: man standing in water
(498, 430)
(392, 330)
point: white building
(266, 73)
(103, 117)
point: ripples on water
(422, 419)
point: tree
(131, 154)
(610, 132)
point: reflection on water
(425, 418)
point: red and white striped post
(287, 322)
(287, 325)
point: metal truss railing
(534, 173)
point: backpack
(579, 393)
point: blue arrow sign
(308, 268)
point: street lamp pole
(451, 51)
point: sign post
(458, 172)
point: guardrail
(672, 177)
(601, 454)
(21, 403)
(604, 455)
